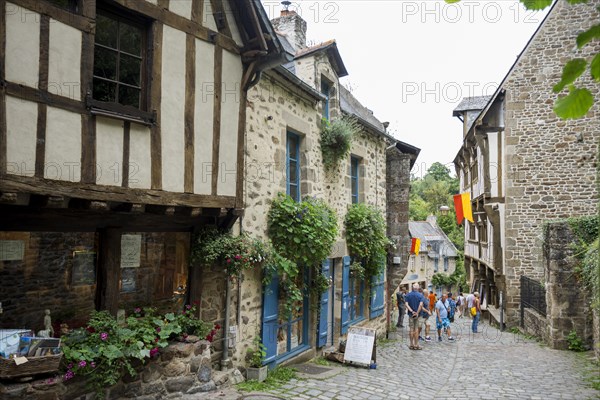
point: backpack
(458, 302)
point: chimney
(292, 25)
(432, 219)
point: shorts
(413, 323)
(424, 320)
(444, 324)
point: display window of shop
(283, 336)
(64, 272)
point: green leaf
(571, 71)
(536, 4)
(595, 68)
(574, 105)
(585, 37)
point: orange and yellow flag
(415, 246)
(462, 207)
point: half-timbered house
(121, 132)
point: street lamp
(444, 210)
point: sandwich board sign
(360, 345)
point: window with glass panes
(357, 287)
(293, 165)
(118, 60)
(354, 163)
(325, 88)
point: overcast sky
(411, 62)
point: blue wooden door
(270, 319)
(345, 294)
(324, 309)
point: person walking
(414, 305)
(461, 304)
(470, 299)
(424, 317)
(442, 321)
(432, 300)
(400, 300)
(477, 305)
(451, 307)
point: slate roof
(350, 105)
(471, 104)
(330, 48)
(441, 245)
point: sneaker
(421, 338)
(439, 338)
(450, 338)
(427, 339)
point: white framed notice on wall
(131, 250)
(12, 250)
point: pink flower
(188, 307)
(238, 257)
(93, 364)
(217, 326)
(154, 352)
(229, 260)
(70, 366)
(68, 375)
(137, 310)
(103, 336)
(158, 329)
(82, 364)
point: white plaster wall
(64, 67)
(230, 109)
(22, 45)
(21, 124)
(203, 117)
(235, 33)
(208, 20)
(140, 164)
(173, 109)
(493, 159)
(181, 7)
(109, 151)
(63, 145)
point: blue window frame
(293, 166)
(325, 88)
(354, 163)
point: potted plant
(256, 370)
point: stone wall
(568, 306)
(550, 164)
(180, 369)
(535, 324)
(596, 330)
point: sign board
(84, 268)
(12, 250)
(359, 345)
(131, 249)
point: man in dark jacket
(401, 307)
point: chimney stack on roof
(292, 26)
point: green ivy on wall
(336, 139)
(365, 237)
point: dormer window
(325, 89)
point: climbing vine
(366, 239)
(586, 231)
(302, 235)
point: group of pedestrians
(421, 306)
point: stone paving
(487, 365)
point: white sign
(12, 250)
(359, 345)
(131, 249)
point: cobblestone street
(488, 365)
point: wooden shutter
(377, 294)
(270, 325)
(323, 312)
(345, 294)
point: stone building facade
(529, 165)
(286, 109)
